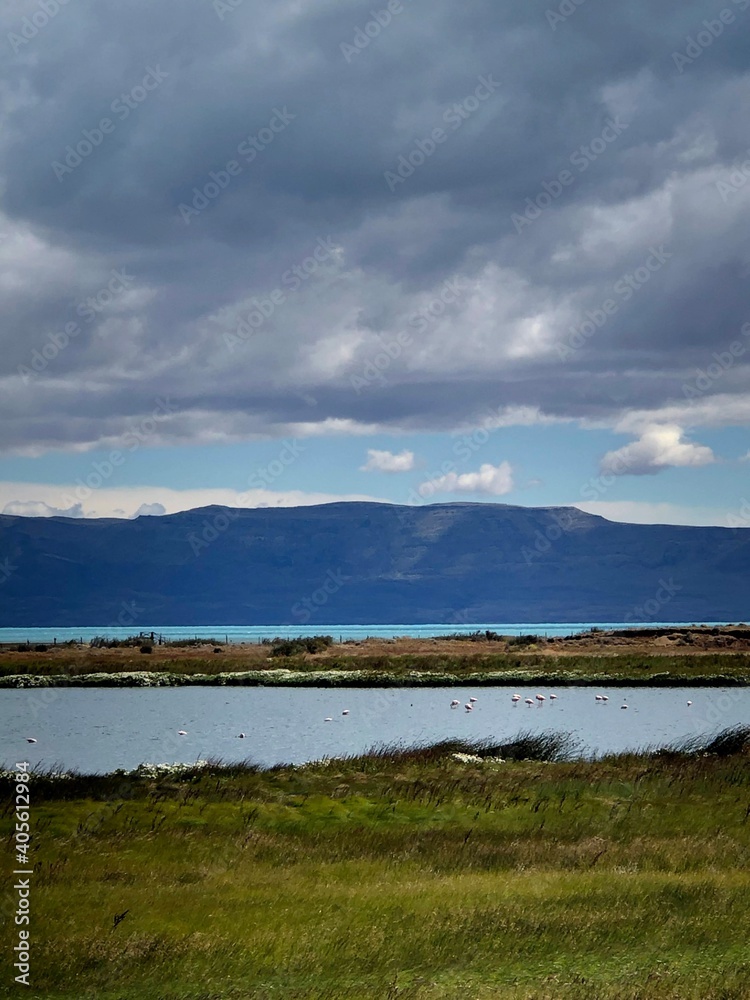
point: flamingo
(553, 697)
(469, 707)
(345, 712)
(329, 719)
(455, 703)
(540, 698)
(241, 736)
(529, 701)
(623, 706)
(182, 732)
(605, 697)
(598, 697)
(30, 739)
(515, 698)
(472, 700)
(690, 703)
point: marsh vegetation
(423, 873)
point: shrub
(487, 636)
(178, 643)
(147, 649)
(305, 644)
(523, 640)
(102, 642)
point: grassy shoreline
(402, 874)
(435, 670)
(660, 657)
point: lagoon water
(256, 633)
(101, 729)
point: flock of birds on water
(539, 700)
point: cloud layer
(79, 500)
(199, 218)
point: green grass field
(397, 875)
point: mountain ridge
(368, 562)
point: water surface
(98, 730)
(256, 633)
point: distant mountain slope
(367, 563)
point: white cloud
(38, 508)
(150, 510)
(48, 500)
(386, 461)
(492, 480)
(659, 447)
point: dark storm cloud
(205, 151)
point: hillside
(368, 563)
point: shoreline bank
(369, 679)
(699, 656)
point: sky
(295, 252)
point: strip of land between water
(698, 656)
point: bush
(185, 643)
(305, 644)
(487, 636)
(523, 640)
(102, 642)
(41, 648)
(147, 649)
